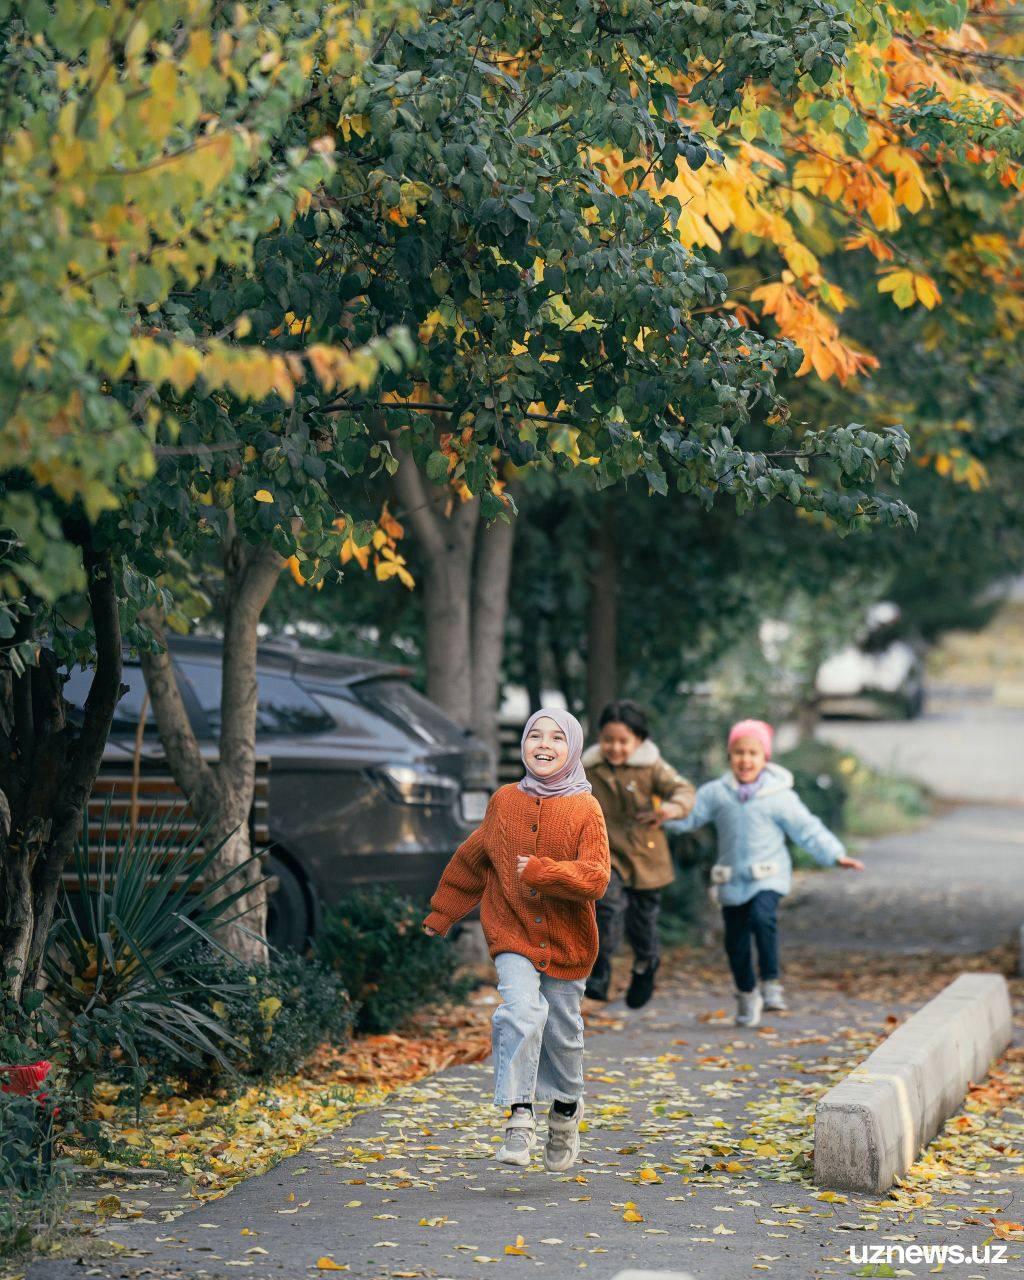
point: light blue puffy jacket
(752, 852)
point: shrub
(819, 781)
(373, 939)
(275, 1015)
(33, 1114)
(851, 797)
(118, 961)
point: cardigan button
(543, 964)
(534, 827)
(537, 919)
(533, 893)
(543, 945)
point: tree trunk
(47, 772)
(603, 618)
(491, 575)
(86, 756)
(532, 678)
(15, 903)
(221, 795)
(448, 539)
(808, 717)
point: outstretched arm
(584, 878)
(675, 792)
(700, 815)
(810, 832)
(462, 883)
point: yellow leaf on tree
(263, 495)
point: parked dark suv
(370, 783)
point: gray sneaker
(520, 1139)
(774, 997)
(562, 1149)
(749, 1005)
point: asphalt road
(961, 748)
(955, 885)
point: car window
(126, 714)
(282, 708)
(403, 705)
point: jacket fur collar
(643, 757)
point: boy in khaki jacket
(637, 791)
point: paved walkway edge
(869, 1128)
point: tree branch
(184, 757)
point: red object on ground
(26, 1080)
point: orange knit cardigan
(547, 913)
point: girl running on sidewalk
(536, 865)
(638, 791)
(754, 808)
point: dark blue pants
(755, 919)
(633, 912)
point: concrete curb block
(653, 1275)
(869, 1128)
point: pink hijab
(571, 779)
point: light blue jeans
(536, 1034)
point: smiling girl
(754, 808)
(536, 865)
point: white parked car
(881, 675)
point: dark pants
(633, 912)
(755, 918)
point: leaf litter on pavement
(690, 1142)
(218, 1139)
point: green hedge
(374, 941)
(276, 1015)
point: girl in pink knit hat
(754, 809)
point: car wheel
(913, 703)
(288, 918)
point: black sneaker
(594, 991)
(641, 987)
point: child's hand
(658, 817)
(431, 933)
(854, 864)
(521, 862)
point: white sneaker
(774, 997)
(749, 1005)
(562, 1149)
(520, 1139)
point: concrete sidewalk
(703, 1130)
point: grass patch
(853, 799)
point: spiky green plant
(118, 965)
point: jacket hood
(777, 778)
(644, 756)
